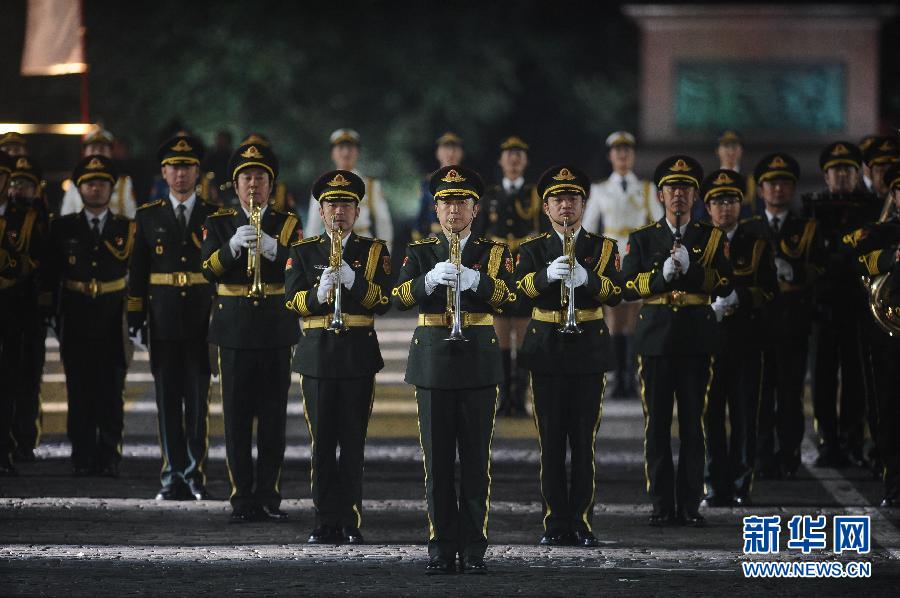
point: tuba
(877, 290)
(335, 258)
(567, 293)
(253, 256)
(454, 295)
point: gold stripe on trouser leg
(312, 437)
(646, 417)
(762, 370)
(424, 466)
(587, 509)
(709, 379)
(222, 396)
(281, 467)
(201, 466)
(356, 508)
(487, 501)
(537, 428)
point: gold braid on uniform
(404, 291)
(607, 287)
(196, 240)
(23, 242)
(298, 304)
(501, 292)
(641, 283)
(711, 277)
(759, 297)
(135, 304)
(527, 285)
(852, 239)
(870, 261)
(373, 293)
(287, 230)
(124, 253)
(808, 231)
(214, 264)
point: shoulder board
(534, 238)
(425, 241)
(371, 239)
(224, 212)
(158, 202)
(645, 227)
(751, 219)
(282, 212)
(70, 216)
(488, 241)
(307, 240)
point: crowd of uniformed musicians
(713, 287)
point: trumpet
(335, 258)
(454, 296)
(566, 292)
(253, 262)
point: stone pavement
(61, 535)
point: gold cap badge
(94, 164)
(564, 175)
(723, 179)
(453, 177)
(338, 181)
(252, 152)
(182, 146)
(777, 162)
(680, 166)
(22, 163)
(840, 150)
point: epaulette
(425, 241)
(750, 219)
(158, 202)
(307, 240)
(372, 239)
(534, 238)
(646, 226)
(488, 241)
(224, 212)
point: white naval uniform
(122, 202)
(372, 208)
(621, 211)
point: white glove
(784, 269)
(326, 284)
(731, 300)
(670, 270)
(241, 238)
(348, 274)
(719, 307)
(683, 258)
(579, 276)
(468, 279)
(268, 246)
(558, 269)
(443, 273)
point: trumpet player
(458, 283)
(569, 274)
(253, 330)
(338, 282)
(676, 266)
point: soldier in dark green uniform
(10, 274)
(456, 380)
(877, 250)
(737, 371)
(511, 214)
(567, 367)
(166, 287)
(29, 221)
(788, 317)
(676, 266)
(254, 334)
(338, 363)
(87, 264)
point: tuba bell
(877, 287)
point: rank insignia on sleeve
(386, 264)
(289, 263)
(509, 265)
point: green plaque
(760, 97)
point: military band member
(167, 288)
(839, 308)
(864, 145)
(567, 357)
(338, 360)
(254, 332)
(99, 141)
(798, 259)
(282, 199)
(374, 214)
(13, 144)
(87, 266)
(511, 213)
(877, 247)
(448, 151)
(28, 223)
(676, 266)
(616, 207)
(10, 272)
(737, 371)
(456, 380)
(878, 157)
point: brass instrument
(335, 259)
(454, 294)
(567, 293)
(877, 287)
(253, 255)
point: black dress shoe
(662, 519)
(245, 514)
(439, 566)
(692, 519)
(325, 534)
(198, 491)
(173, 491)
(557, 537)
(110, 470)
(352, 535)
(717, 501)
(742, 501)
(586, 539)
(473, 564)
(272, 514)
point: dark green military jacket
(545, 350)
(754, 281)
(239, 322)
(76, 258)
(179, 307)
(509, 218)
(798, 242)
(676, 329)
(433, 361)
(353, 353)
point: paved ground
(98, 537)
